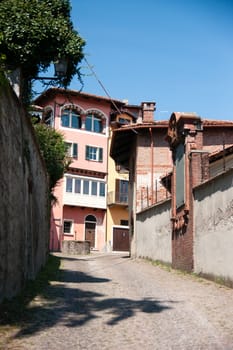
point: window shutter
(87, 152)
(100, 154)
(75, 150)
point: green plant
(34, 33)
(54, 152)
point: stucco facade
(80, 211)
(213, 213)
(92, 196)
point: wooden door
(90, 233)
(120, 239)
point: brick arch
(97, 112)
(101, 115)
(74, 107)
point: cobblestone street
(110, 301)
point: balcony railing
(117, 198)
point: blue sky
(178, 53)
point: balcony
(117, 198)
(79, 200)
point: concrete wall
(213, 215)
(24, 206)
(153, 233)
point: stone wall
(153, 233)
(24, 206)
(76, 247)
(213, 240)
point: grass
(206, 278)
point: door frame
(85, 221)
(121, 227)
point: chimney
(148, 109)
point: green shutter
(75, 150)
(87, 152)
(100, 154)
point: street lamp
(60, 70)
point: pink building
(83, 119)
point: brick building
(193, 142)
(181, 155)
(142, 149)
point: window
(93, 123)
(78, 185)
(67, 227)
(94, 153)
(102, 189)
(69, 184)
(85, 187)
(48, 118)
(122, 191)
(124, 223)
(72, 149)
(70, 119)
(124, 121)
(94, 188)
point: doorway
(90, 228)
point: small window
(48, 118)
(72, 149)
(124, 223)
(69, 184)
(77, 186)
(94, 153)
(94, 188)
(67, 227)
(102, 189)
(85, 187)
(124, 121)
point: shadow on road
(64, 302)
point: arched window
(93, 123)
(90, 218)
(48, 118)
(70, 119)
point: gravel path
(113, 302)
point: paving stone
(110, 301)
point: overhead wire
(101, 84)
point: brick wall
(153, 161)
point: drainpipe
(152, 166)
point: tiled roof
(54, 90)
(220, 153)
(217, 123)
(155, 124)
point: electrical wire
(101, 84)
